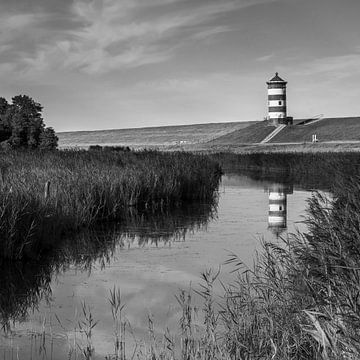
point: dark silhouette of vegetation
(47, 195)
(307, 169)
(109, 148)
(22, 125)
(26, 283)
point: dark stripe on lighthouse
(277, 97)
(277, 213)
(277, 108)
(278, 202)
(276, 86)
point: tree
(48, 139)
(4, 105)
(25, 122)
(5, 131)
(22, 125)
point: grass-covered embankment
(253, 133)
(90, 187)
(150, 136)
(328, 129)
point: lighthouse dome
(277, 78)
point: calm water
(149, 259)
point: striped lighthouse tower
(277, 101)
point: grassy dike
(45, 196)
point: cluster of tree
(22, 125)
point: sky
(110, 64)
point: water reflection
(278, 185)
(277, 218)
(25, 284)
(158, 263)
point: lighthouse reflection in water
(277, 220)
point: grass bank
(151, 136)
(45, 196)
(304, 147)
(328, 129)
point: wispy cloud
(334, 67)
(173, 85)
(112, 34)
(265, 57)
(212, 31)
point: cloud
(334, 67)
(105, 35)
(211, 31)
(173, 84)
(265, 57)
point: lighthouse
(277, 114)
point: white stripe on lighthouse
(277, 196)
(276, 91)
(276, 103)
(277, 207)
(276, 220)
(276, 115)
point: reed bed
(315, 170)
(300, 300)
(298, 162)
(45, 196)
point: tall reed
(300, 300)
(90, 187)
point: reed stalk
(83, 188)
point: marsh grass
(91, 187)
(300, 300)
(301, 162)
(310, 170)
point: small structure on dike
(277, 114)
